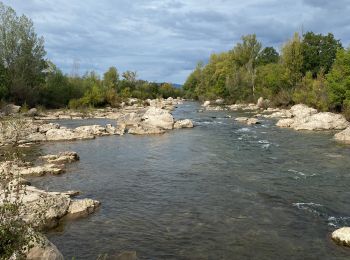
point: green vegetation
(26, 77)
(313, 69)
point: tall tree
(292, 60)
(246, 54)
(111, 78)
(338, 80)
(267, 55)
(319, 52)
(22, 54)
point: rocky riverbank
(45, 209)
(151, 117)
(41, 209)
(299, 117)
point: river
(221, 190)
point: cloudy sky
(163, 39)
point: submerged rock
(64, 157)
(248, 121)
(186, 123)
(342, 236)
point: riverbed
(222, 190)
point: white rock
(82, 207)
(260, 102)
(206, 103)
(302, 111)
(186, 123)
(95, 130)
(64, 134)
(158, 118)
(342, 236)
(343, 136)
(144, 130)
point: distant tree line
(313, 69)
(27, 77)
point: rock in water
(159, 118)
(343, 136)
(186, 123)
(342, 236)
(82, 208)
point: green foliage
(267, 55)
(22, 53)
(319, 52)
(292, 60)
(338, 81)
(312, 92)
(111, 78)
(271, 78)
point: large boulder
(11, 109)
(43, 209)
(158, 118)
(307, 118)
(322, 121)
(342, 236)
(302, 111)
(32, 112)
(128, 119)
(186, 123)
(343, 136)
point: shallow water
(222, 190)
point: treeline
(313, 69)
(27, 77)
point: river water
(222, 190)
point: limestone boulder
(343, 136)
(158, 118)
(341, 236)
(186, 123)
(82, 208)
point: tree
(111, 78)
(245, 55)
(292, 60)
(130, 76)
(22, 54)
(338, 81)
(3, 82)
(267, 55)
(319, 52)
